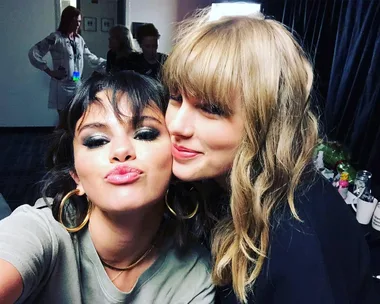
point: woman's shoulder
(29, 231)
(57, 35)
(52, 38)
(38, 217)
(323, 250)
(40, 209)
(320, 232)
(80, 38)
(317, 203)
(321, 203)
(314, 186)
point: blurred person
(149, 62)
(68, 51)
(120, 47)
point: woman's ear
(76, 179)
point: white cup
(364, 210)
(376, 218)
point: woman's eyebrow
(92, 125)
(147, 117)
(99, 125)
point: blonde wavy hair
(257, 62)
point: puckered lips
(122, 175)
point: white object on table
(364, 210)
(351, 198)
(376, 219)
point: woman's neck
(121, 240)
(71, 35)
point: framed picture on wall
(89, 24)
(107, 24)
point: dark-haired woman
(108, 236)
(68, 51)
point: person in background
(120, 44)
(68, 51)
(239, 115)
(106, 235)
(149, 62)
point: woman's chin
(189, 175)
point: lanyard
(76, 74)
(74, 46)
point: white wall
(97, 41)
(24, 89)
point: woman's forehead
(121, 105)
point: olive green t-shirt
(59, 268)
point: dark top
(137, 63)
(116, 64)
(322, 260)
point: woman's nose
(122, 150)
(180, 120)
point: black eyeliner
(92, 142)
(146, 134)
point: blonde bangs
(205, 67)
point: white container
(376, 218)
(364, 210)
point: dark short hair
(146, 30)
(68, 14)
(142, 92)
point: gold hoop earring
(60, 214)
(182, 217)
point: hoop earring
(60, 214)
(182, 217)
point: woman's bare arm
(10, 283)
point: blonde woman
(120, 44)
(239, 114)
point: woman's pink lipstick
(122, 175)
(180, 152)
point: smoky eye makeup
(146, 133)
(95, 141)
